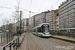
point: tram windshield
(45, 28)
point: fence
(12, 45)
(6, 36)
(68, 34)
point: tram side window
(39, 29)
(34, 30)
(42, 29)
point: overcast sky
(37, 6)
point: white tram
(42, 30)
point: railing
(12, 45)
(6, 36)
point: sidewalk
(69, 39)
(21, 38)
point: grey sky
(37, 6)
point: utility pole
(20, 21)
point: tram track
(36, 46)
(60, 43)
(32, 42)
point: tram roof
(40, 25)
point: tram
(42, 30)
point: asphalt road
(32, 42)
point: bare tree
(4, 22)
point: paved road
(32, 42)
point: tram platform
(69, 39)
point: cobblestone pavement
(32, 42)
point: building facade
(30, 24)
(41, 18)
(25, 24)
(52, 20)
(47, 17)
(67, 16)
(56, 14)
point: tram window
(34, 30)
(45, 28)
(42, 29)
(39, 29)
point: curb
(21, 41)
(23, 38)
(72, 41)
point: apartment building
(11, 27)
(41, 18)
(33, 21)
(30, 23)
(26, 24)
(14, 28)
(47, 17)
(56, 13)
(52, 20)
(67, 16)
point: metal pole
(10, 46)
(4, 48)
(18, 42)
(23, 26)
(1, 37)
(20, 21)
(7, 37)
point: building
(67, 16)
(51, 17)
(2, 27)
(56, 13)
(14, 28)
(52, 20)
(33, 21)
(41, 18)
(30, 24)
(26, 24)
(11, 27)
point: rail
(8, 36)
(12, 45)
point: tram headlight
(47, 33)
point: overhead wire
(18, 2)
(41, 5)
(54, 4)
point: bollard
(4, 48)
(18, 42)
(10, 46)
